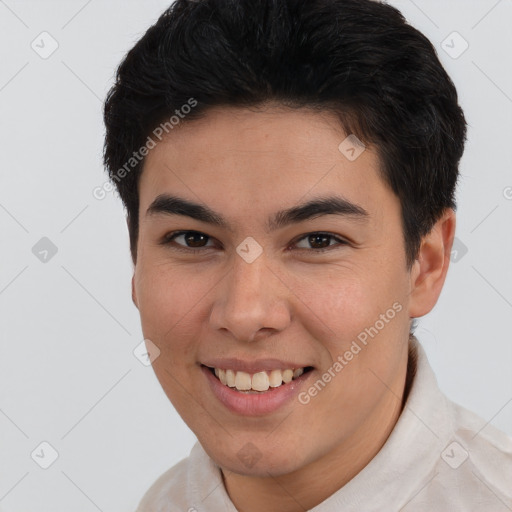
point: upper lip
(252, 366)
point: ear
(429, 270)
(134, 295)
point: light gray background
(68, 328)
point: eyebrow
(329, 205)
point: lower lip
(255, 404)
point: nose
(251, 301)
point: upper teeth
(260, 381)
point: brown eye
(319, 242)
(187, 240)
(193, 239)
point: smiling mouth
(259, 382)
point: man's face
(210, 298)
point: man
(289, 168)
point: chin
(249, 460)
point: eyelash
(169, 238)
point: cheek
(340, 304)
(170, 306)
(169, 300)
(367, 309)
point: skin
(291, 302)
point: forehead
(272, 134)
(241, 160)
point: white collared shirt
(439, 457)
